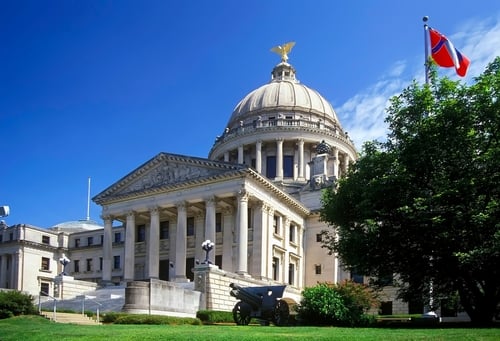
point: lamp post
(207, 245)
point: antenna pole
(88, 201)
(426, 41)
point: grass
(37, 328)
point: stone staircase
(70, 318)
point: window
(276, 268)
(218, 222)
(271, 167)
(11, 236)
(292, 233)
(288, 166)
(102, 239)
(190, 226)
(46, 239)
(141, 233)
(116, 262)
(218, 261)
(44, 289)
(90, 241)
(45, 264)
(291, 274)
(276, 224)
(249, 218)
(118, 237)
(356, 278)
(1, 238)
(164, 229)
(317, 269)
(76, 265)
(89, 264)
(77, 242)
(319, 237)
(100, 263)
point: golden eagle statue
(284, 50)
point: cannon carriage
(264, 303)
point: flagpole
(426, 41)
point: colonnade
(235, 240)
(341, 159)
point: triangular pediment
(167, 171)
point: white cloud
(363, 115)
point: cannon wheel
(241, 313)
(281, 313)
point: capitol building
(256, 196)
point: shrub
(215, 316)
(343, 304)
(111, 317)
(14, 303)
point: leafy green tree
(425, 203)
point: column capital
(243, 194)
(212, 200)
(130, 214)
(181, 206)
(279, 139)
(300, 141)
(107, 217)
(154, 210)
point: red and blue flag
(446, 55)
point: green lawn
(36, 328)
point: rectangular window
(102, 239)
(46, 239)
(11, 236)
(319, 237)
(45, 264)
(271, 167)
(1, 238)
(218, 222)
(164, 230)
(317, 269)
(90, 241)
(276, 224)
(356, 278)
(76, 264)
(100, 263)
(118, 237)
(141, 233)
(291, 274)
(77, 242)
(218, 261)
(276, 268)
(190, 226)
(288, 166)
(89, 264)
(249, 218)
(116, 262)
(44, 289)
(292, 233)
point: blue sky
(97, 88)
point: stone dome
(283, 93)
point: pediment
(164, 171)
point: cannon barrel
(246, 296)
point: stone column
(210, 226)
(260, 241)
(286, 255)
(154, 244)
(16, 278)
(258, 156)
(240, 154)
(3, 270)
(336, 163)
(279, 158)
(242, 228)
(107, 248)
(129, 263)
(345, 165)
(180, 243)
(301, 159)
(199, 236)
(228, 223)
(226, 156)
(270, 232)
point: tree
(425, 203)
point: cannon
(265, 303)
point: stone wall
(157, 297)
(213, 284)
(68, 287)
